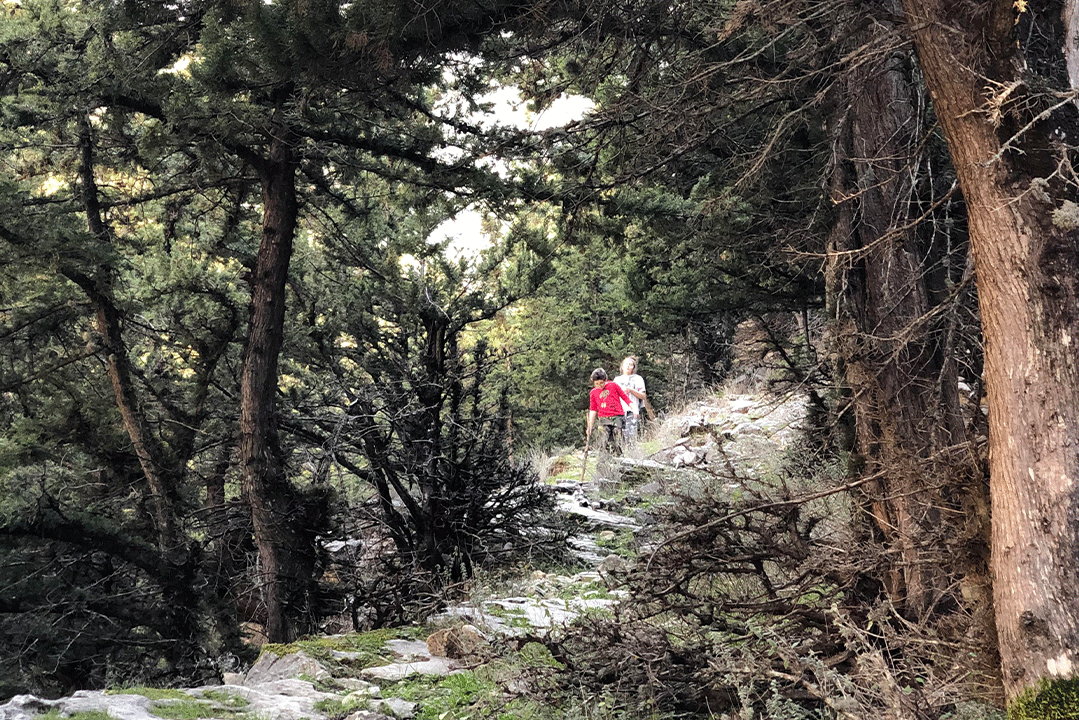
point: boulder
(121, 707)
(271, 667)
(459, 643)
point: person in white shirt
(633, 384)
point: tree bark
(889, 295)
(283, 568)
(1028, 287)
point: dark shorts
(612, 435)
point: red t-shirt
(607, 400)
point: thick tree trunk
(284, 570)
(887, 289)
(1028, 287)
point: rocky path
(331, 679)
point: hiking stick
(648, 407)
(584, 464)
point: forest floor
(465, 663)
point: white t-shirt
(635, 382)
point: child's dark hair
(599, 374)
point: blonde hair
(628, 358)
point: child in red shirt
(605, 402)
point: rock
(373, 693)
(368, 715)
(684, 458)
(280, 699)
(437, 642)
(24, 707)
(584, 549)
(646, 516)
(120, 707)
(544, 614)
(283, 699)
(416, 660)
(749, 428)
(598, 518)
(359, 687)
(398, 708)
(652, 488)
(270, 667)
(408, 649)
(402, 670)
(336, 546)
(613, 565)
(742, 405)
(459, 643)
(254, 634)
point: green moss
(624, 543)
(535, 655)
(365, 649)
(1054, 699)
(225, 699)
(336, 708)
(184, 709)
(179, 705)
(974, 710)
(590, 590)
(152, 693)
(81, 715)
(453, 697)
(514, 617)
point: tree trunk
(888, 288)
(97, 284)
(1028, 287)
(284, 569)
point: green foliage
(623, 542)
(534, 655)
(581, 319)
(391, 366)
(1051, 699)
(132, 137)
(408, 377)
(590, 590)
(457, 696)
(702, 211)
